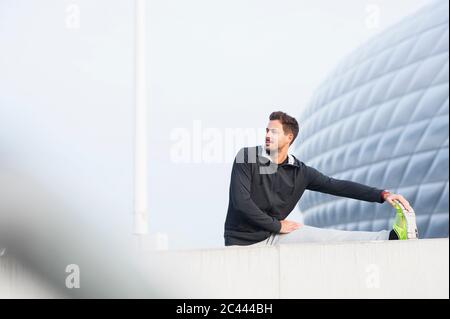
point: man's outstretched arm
(325, 184)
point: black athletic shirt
(262, 193)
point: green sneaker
(405, 223)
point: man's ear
(291, 138)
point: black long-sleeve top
(262, 193)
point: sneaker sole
(410, 217)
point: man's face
(276, 139)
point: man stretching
(267, 183)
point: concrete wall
(18, 281)
(394, 269)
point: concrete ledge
(382, 269)
(18, 281)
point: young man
(267, 182)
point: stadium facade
(381, 118)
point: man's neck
(279, 156)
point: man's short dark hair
(290, 124)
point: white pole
(140, 169)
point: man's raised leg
(313, 234)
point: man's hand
(390, 198)
(287, 226)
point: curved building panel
(382, 119)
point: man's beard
(271, 151)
